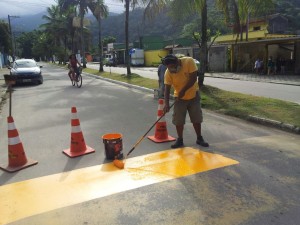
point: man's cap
(169, 59)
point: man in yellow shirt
(182, 75)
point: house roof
(270, 40)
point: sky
(31, 7)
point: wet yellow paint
(35, 196)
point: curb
(274, 123)
(149, 90)
(3, 90)
(235, 78)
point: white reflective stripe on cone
(74, 116)
(14, 140)
(11, 126)
(160, 106)
(163, 119)
(76, 129)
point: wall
(184, 51)
(297, 58)
(217, 58)
(153, 57)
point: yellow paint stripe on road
(39, 195)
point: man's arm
(167, 97)
(158, 74)
(78, 62)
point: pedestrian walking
(258, 66)
(270, 65)
(161, 76)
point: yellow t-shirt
(179, 80)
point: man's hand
(181, 94)
(166, 108)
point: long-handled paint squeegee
(119, 163)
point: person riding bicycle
(73, 65)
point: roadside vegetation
(226, 102)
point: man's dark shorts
(192, 106)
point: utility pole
(12, 36)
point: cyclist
(73, 65)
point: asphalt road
(262, 189)
(270, 90)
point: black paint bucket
(113, 146)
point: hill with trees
(170, 27)
(163, 24)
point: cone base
(76, 154)
(10, 169)
(156, 140)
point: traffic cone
(78, 146)
(161, 132)
(17, 159)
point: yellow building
(260, 29)
(266, 37)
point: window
(256, 28)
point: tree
(108, 40)
(238, 12)
(5, 43)
(59, 30)
(127, 36)
(26, 42)
(82, 6)
(133, 4)
(198, 6)
(100, 11)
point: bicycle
(78, 78)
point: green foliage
(5, 41)
(108, 39)
(60, 36)
(291, 10)
(26, 42)
(242, 105)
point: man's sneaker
(200, 141)
(178, 143)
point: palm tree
(238, 12)
(57, 28)
(100, 11)
(5, 40)
(127, 36)
(133, 3)
(54, 23)
(83, 6)
(198, 6)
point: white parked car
(26, 71)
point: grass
(226, 102)
(242, 106)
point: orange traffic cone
(161, 132)
(16, 156)
(78, 146)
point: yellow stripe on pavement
(39, 195)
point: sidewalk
(278, 79)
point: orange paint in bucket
(113, 146)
